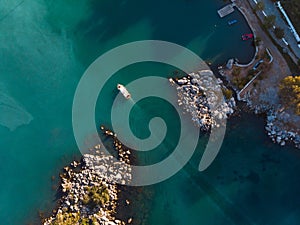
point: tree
(269, 21)
(259, 6)
(227, 93)
(236, 71)
(289, 90)
(96, 195)
(257, 40)
(279, 32)
(66, 219)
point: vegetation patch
(96, 195)
(227, 93)
(70, 219)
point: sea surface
(45, 47)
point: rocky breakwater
(201, 95)
(281, 126)
(89, 188)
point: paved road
(271, 9)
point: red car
(247, 36)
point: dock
(226, 10)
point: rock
(198, 94)
(182, 81)
(95, 170)
(278, 139)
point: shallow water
(45, 48)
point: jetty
(226, 10)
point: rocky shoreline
(275, 126)
(276, 121)
(200, 94)
(278, 134)
(91, 189)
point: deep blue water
(46, 47)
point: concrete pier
(226, 10)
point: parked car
(247, 36)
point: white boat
(124, 91)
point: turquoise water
(46, 47)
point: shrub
(257, 41)
(279, 32)
(240, 82)
(251, 73)
(227, 93)
(96, 195)
(269, 21)
(259, 6)
(66, 219)
(236, 71)
(69, 219)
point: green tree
(227, 93)
(96, 195)
(66, 219)
(269, 21)
(259, 6)
(279, 32)
(257, 40)
(236, 71)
